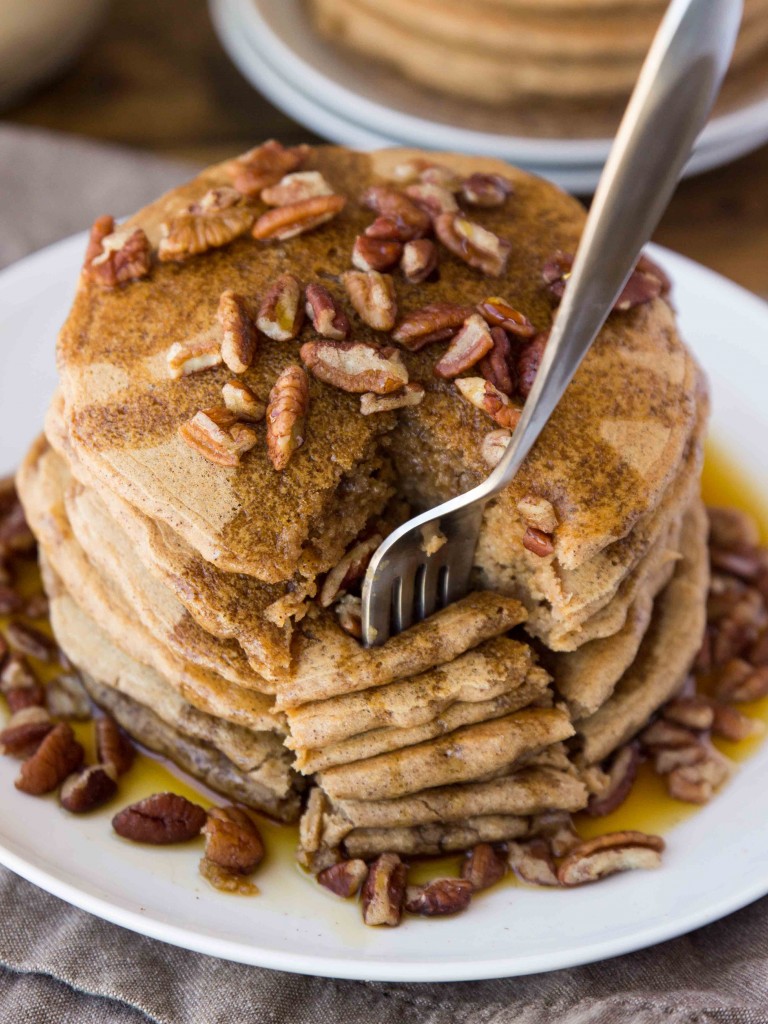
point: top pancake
(610, 451)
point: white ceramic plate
(261, 32)
(717, 860)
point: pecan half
(294, 188)
(349, 611)
(216, 220)
(497, 366)
(475, 245)
(532, 861)
(436, 322)
(494, 445)
(115, 257)
(373, 296)
(484, 396)
(375, 253)
(386, 229)
(662, 733)
(345, 878)
(419, 260)
(740, 682)
(218, 436)
(265, 165)
(732, 725)
(113, 747)
(66, 697)
(538, 542)
(483, 867)
(286, 415)
(20, 685)
(160, 819)
(88, 789)
(227, 881)
(438, 898)
(356, 366)
(537, 512)
(384, 891)
(350, 569)
(195, 355)
(557, 828)
(606, 855)
(470, 343)
(232, 840)
(242, 402)
(325, 313)
(486, 190)
(411, 394)
(25, 731)
(692, 712)
(500, 313)
(411, 220)
(281, 313)
(697, 783)
(239, 336)
(432, 198)
(621, 777)
(732, 528)
(666, 759)
(31, 641)
(285, 222)
(645, 283)
(57, 757)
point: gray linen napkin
(61, 965)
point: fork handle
(673, 97)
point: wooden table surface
(155, 76)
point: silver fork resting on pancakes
(674, 95)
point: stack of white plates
(343, 98)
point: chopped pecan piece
(115, 257)
(25, 731)
(20, 685)
(606, 855)
(538, 512)
(621, 777)
(486, 190)
(88, 789)
(216, 220)
(411, 394)
(497, 366)
(432, 198)
(232, 840)
(350, 569)
(494, 445)
(645, 283)
(113, 747)
(666, 759)
(286, 415)
(356, 366)
(242, 402)
(557, 828)
(31, 641)
(285, 222)
(483, 867)
(437, 174)
(408, 171)
(740, 682)
(326, 315)
(732, 528)
(528, 361)
(532, 861)
(218, 436)
(160, 819)
(483, 395)
(411, 220)
(294, 188)
(438, 898)
(667, 735)
(468, 346)
(281, 313)
(641, 287)
(227, 881)
(472, 243)
(195, 355)
(345, 878)
(57, 757)
(538, 542)
(349, 611)
(385, 229)
(373, 296)
(66, 697)
(265, 165)
(732, 725)
(375, 253)
(436, 322)
(419, 260)
(556, 272)
(499, 313)
(384, 891)
(691, 712)
(239, 337)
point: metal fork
(673, 97)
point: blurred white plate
(358, 94)
(717, 861)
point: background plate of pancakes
(350, 99)
(717, 859)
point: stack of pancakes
(186, 591)
(505, 51)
